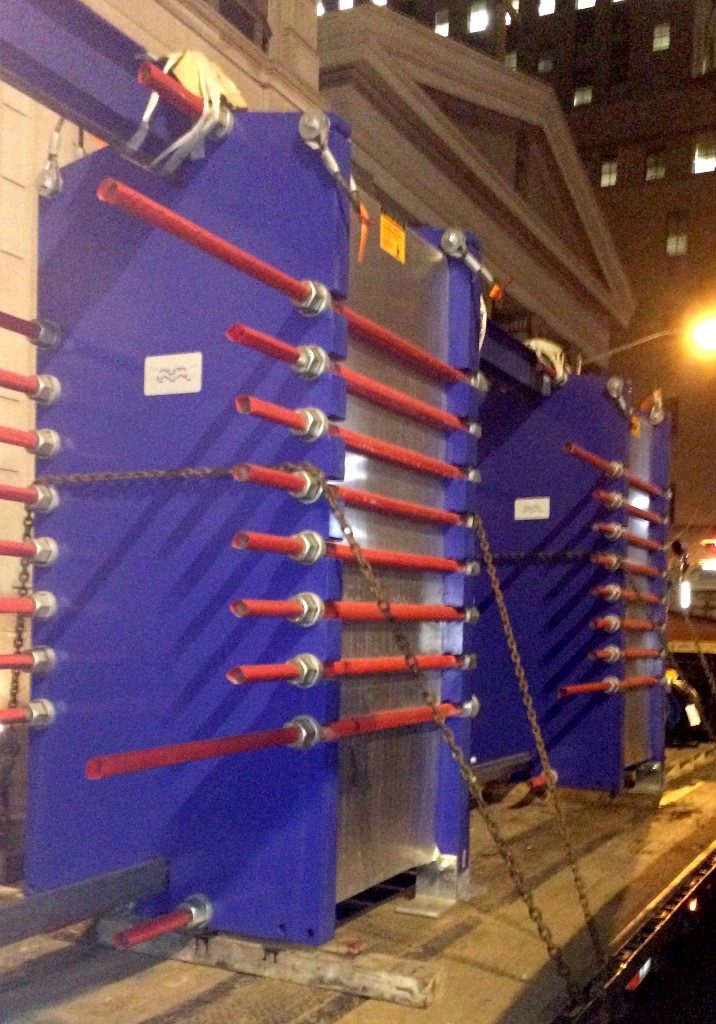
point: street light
(701, 333)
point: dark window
(584, 42)
(619, 45)
(250, 17)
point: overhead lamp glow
(685, 594)
(707, 565)
(703, 334)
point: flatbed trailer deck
(488, 963)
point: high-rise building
(637, 82)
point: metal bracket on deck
(439, 886)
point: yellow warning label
(392, 238)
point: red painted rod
(17, 549)
(170, 90)
(21, 661)
(613, 500)
(386, 340)
(612, 623)
(30, 328)
(128, 199)
(338, 669)
(613, 593)
(108, 765)
(357, 384)
(397, 401)
(25, 495)
(9, 716)
(147, 930)
(294, 547)
(627, 653)
(27, 439)
(604, 686)
(625, 565)
(614, 469)
(613, 531)
(348, 611)
(379, 721)
(19, 382)
(17, 606)
(297, 420)
(294, 483)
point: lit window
(582, 5)
(704, 157)
(545, 65)
(320, 9)
(655, 167)
(479, 18)
(616, 1)
(582, 96)
(661, 40)
(546, 7)
(515, 5)
(511, 60)
(345, 5)
(380, 3)
(442, 22)
(608, 176)
(677, 239)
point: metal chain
(11, 743)
(550, 778)
(134, 475)
(403, 643)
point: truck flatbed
(487, 961)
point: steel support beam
(74, 62)
(47, 911)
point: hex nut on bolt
(314, 547)
(46, 551)
(317, 301)
(312, 362)
(317, 424)
(47, 498)
(310, 670)
(48, 390)
(312, 609)
(471, 707)
(48, 443)
(200, 909)
(42, 713)
(471, 615)
(50, 335)
(312, 488)
(44, 660)
(613, 684)
(468, 661)
(45, 604)
(311, 732)
(471, 568)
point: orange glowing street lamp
(700, 333)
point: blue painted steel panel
(144, 635)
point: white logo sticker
(176, 374)
(531, 508)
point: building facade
(636, 80)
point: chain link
(403, 643)
(136, 475)
(550, 778)
(11, 743)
